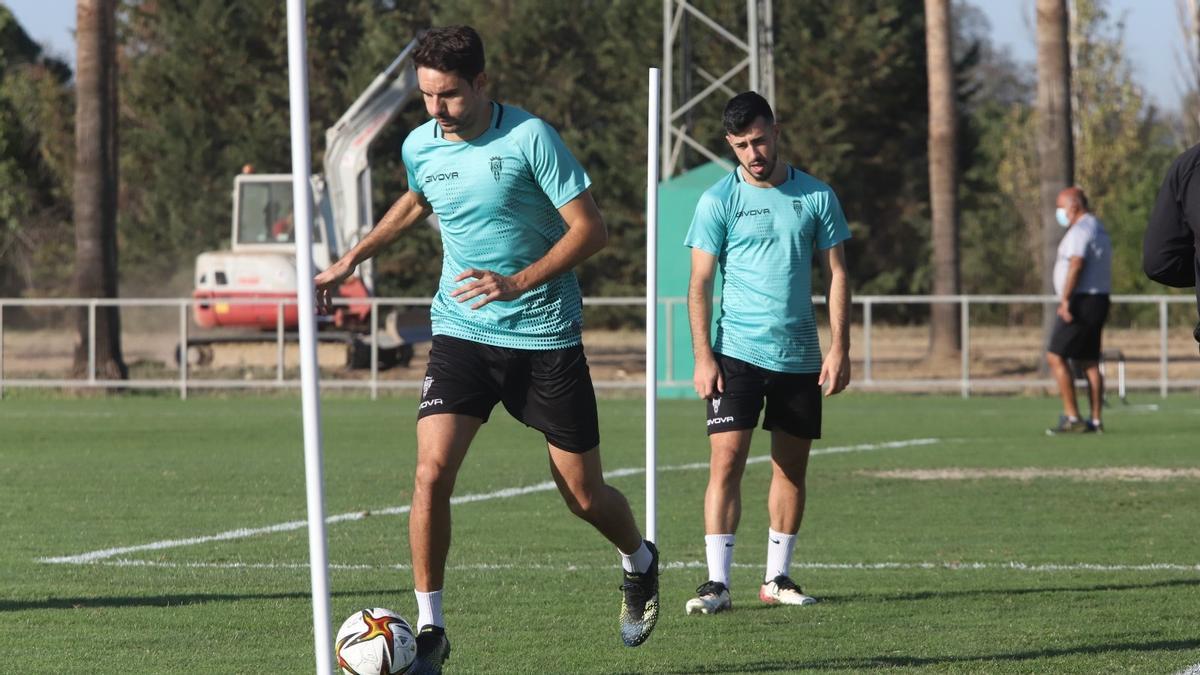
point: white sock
(429, 610)
(719, 551)
(779, 553)
(639, 561)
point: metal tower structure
(758, 64)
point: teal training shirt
(497, 197)
(763, 239)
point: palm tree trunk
(1056, 152)
(95, 190)
(944, 337)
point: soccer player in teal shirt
(515, 217)
(761, 225)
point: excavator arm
(346, 197)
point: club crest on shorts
(425, 386)
(716, 403)
(798, 207)
(496, 164)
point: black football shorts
(1080, 339)
(793, 400)
(549, 390)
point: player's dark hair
(743, 109)
(451, 49)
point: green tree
(996, 246)
(206, 93)
(36, 103)
(1121, 146)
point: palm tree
(95, 191)
(944, 337)
(1056, 153)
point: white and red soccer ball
(375, 642)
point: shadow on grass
(174, 600)
(867, 663)
(980, 592)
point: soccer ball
(375, 642)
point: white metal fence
(1168, 347)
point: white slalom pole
(310, 399)
(652, 157)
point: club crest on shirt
(798, 207)
(496, 165)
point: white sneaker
(711, 597)
(783, 591)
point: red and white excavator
(261, 262)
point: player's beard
(454, 125)
(764, 170)
(450, 125)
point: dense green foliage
(531, 589)
(204, 91)
(36, 142)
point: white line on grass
(1190, 670)
(690, 564)
(242, 533)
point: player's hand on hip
(1064, 311)
(488, 286)
(835, 372)
(707, 378)
(326, 282)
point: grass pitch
(1046, 574)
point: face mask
(1061, 216)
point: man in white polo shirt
(1082, 281)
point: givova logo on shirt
(752, 212)
(438, 177)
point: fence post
(279, 348)
(1162, 347)
(965, 347)
(183, 350)
(92, 341)
(867, 305)
(374, 349)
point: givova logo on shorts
(425, 391)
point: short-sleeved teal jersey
(763, 239)
(497, 198)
